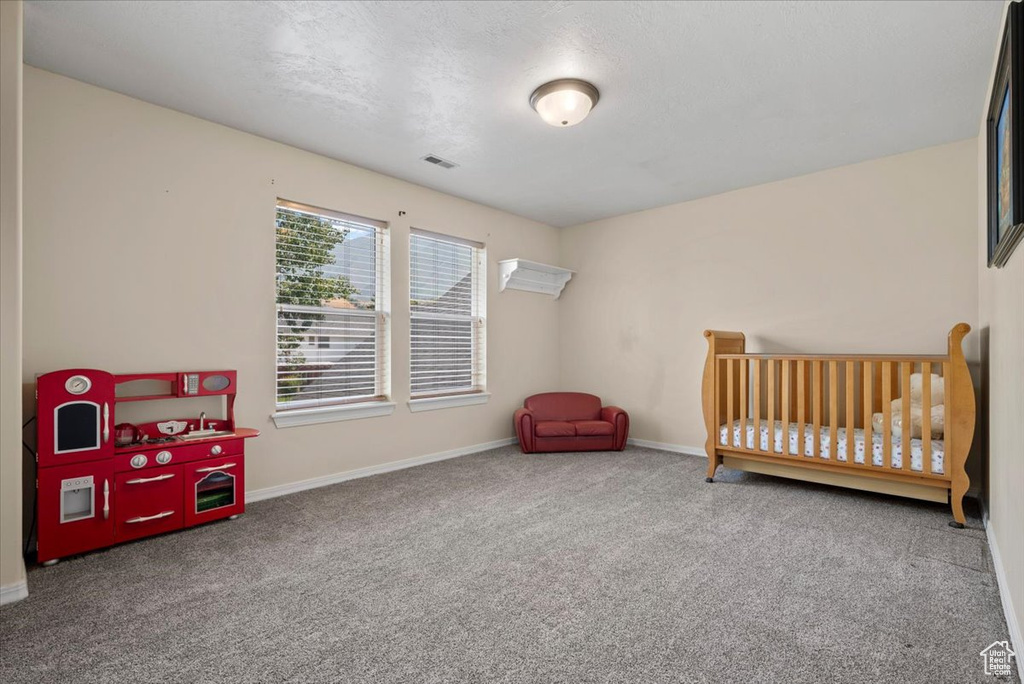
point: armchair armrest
(524, 423)
(620, 419)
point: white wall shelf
(530, 276)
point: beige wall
(875, 257)
(12, 570)
(149, 246)
(1001, 316)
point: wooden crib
(757, 405)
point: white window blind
(332, 307)
(447, 292)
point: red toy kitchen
(100, 483)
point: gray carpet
(605, 567)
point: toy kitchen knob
(139, 460)
(215, 450)
(163, 457)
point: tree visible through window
(331, 307)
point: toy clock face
(78, 384)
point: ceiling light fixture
(564, 102)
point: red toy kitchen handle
(106, 422)
(106, 499)
(212, 468)
(147, 518)
(158, 478)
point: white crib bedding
(826, 446)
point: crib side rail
(839, 394)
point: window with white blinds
(447, 293)
(332, 307)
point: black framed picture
(1005, 133)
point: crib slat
(757, 404)
(887, 414)
(833, 407)
(744, 365)
(926, 417)
(877, 382)
(868, 414)
(785, 406)
(850, 403)
(771, 405)
(905, 368)
(947, 391)
(806, 387)
(729, 385)
(717, 408)
(816, 401)
(801, 415)
(858, 391)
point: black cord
(35, 492)
(23, 442)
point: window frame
(311, 411)
(477, 393)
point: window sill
(434, 403)
(331, 414)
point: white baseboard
(13, 592)
(1016, 637)
(674, 448)
(302, 485)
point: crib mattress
(825, 445)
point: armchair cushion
(593, 428)
(555, 428)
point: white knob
(163, 457)
(139, 460)
(215, 449)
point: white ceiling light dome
(564, 102)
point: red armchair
(570, 421)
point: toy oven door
(214, 489)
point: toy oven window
(216, 490)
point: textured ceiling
(696, 98)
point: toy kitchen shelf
(101, 483)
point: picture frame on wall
(1005, 153)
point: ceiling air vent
(437, 161)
